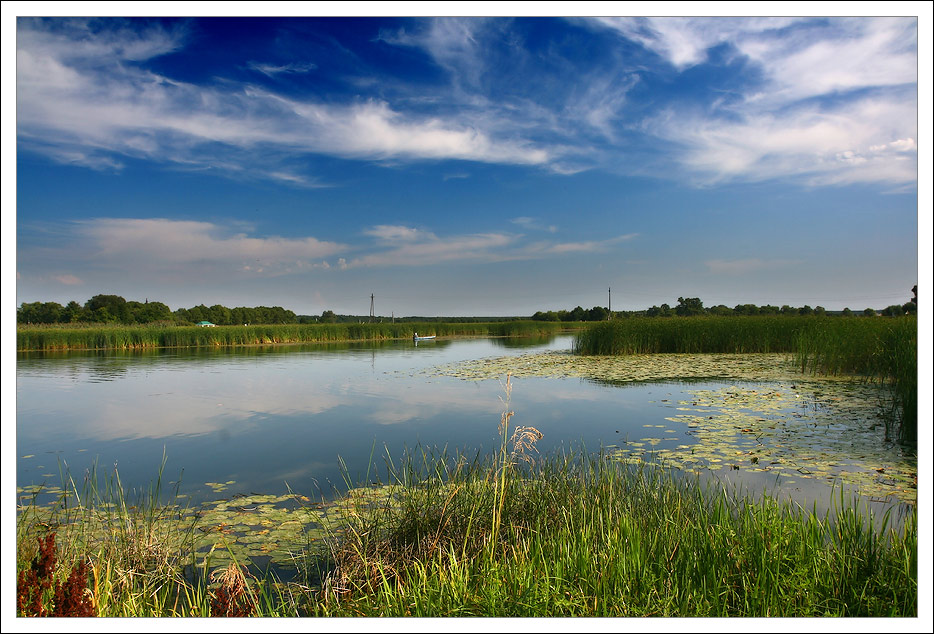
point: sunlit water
(273, 419)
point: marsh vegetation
(624, 531)
(511, 534)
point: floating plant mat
(627, 368)
(791, 431)
(277, 528)
(253, 530)
(768, 418)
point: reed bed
(879, 349)
(138, 337)
(693, 335)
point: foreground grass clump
(157, 336)
(587, 538)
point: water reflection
(271, 418)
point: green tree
(328, 317)
(153, 311)
(869, 312)
(39, 313)
(221, 315)
(107, 308)
(73, 312)
(689, 307)
(597, 313)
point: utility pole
(609, 304)
(372, 312)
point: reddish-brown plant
(36, 586)
(232, 598)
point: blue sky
(468, 166)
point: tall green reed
(878, 349)
(145, 336)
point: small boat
(417, 338)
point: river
(313, 418)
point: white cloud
(424, 248)
(162, 244)
(870, 140)
(271, 70)
(534, 224)
(821, 98)
(684, 41)
(413, 247)
(398, 233)
(68, 279)
(586, 246)
(852, 54)
(834, 104)
(88, 105)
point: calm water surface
(269, 419)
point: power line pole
(372, 312)
(609, 304)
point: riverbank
(34, 339)
(495, 537)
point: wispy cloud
(533, 224)
(834, 102)
(414, 247)
(163, 246)
(93, 107)
(68, 279)
(272, 70)
(411, 247)
(809, 101)
(685, 42)
(586, 246)
(871, 140)
(164, 249)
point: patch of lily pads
(255, 530)
(768, 417)
(275, 529)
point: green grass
(567, 536)
(879, 349)
(140, 337)
(586, 536)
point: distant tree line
(330, 317)
(113, 309)
(693, 306)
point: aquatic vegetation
(788, 431)
(768, 417)
(882, 350)
(576, 535)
